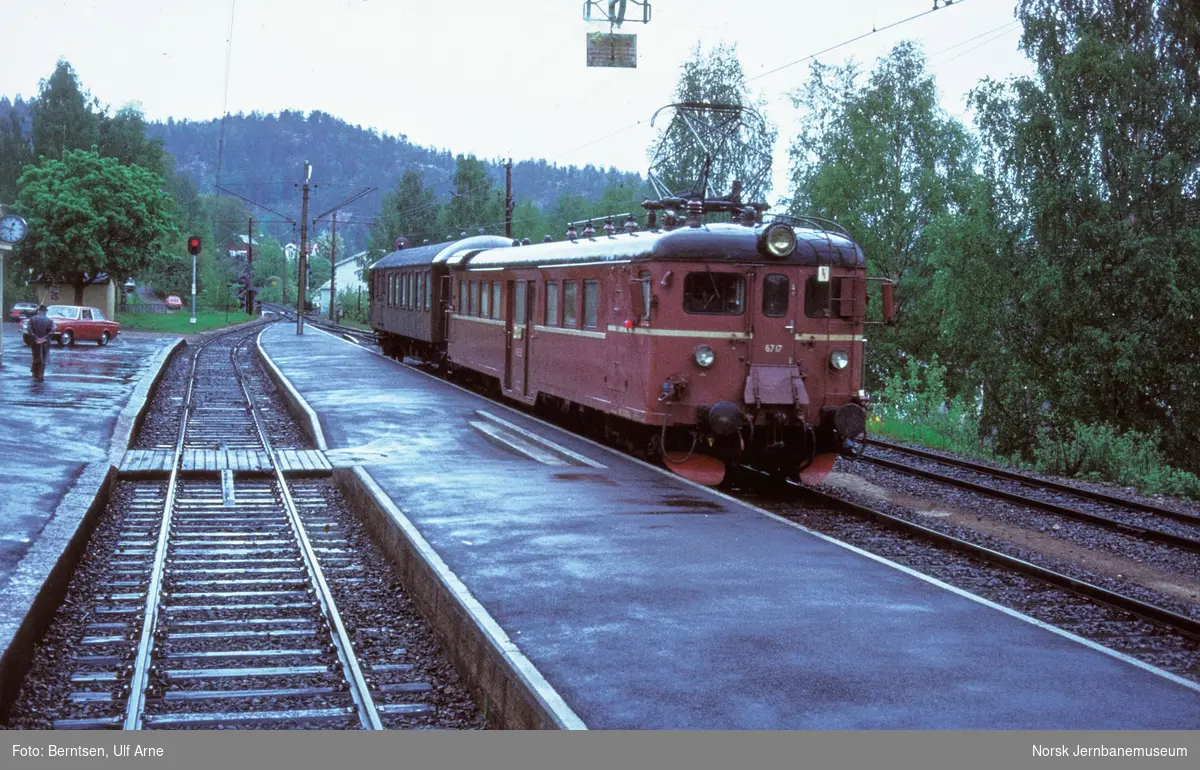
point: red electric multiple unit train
(708, 345)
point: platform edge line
(521, 669)
(553, 447)
(277, 376)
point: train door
(775, 309)
(516, 353)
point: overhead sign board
(611, 50)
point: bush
(1102, 452)
(914, 407)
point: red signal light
(193, 245)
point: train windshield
(714, 293)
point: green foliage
(411, 211)
(272, 271)
(89, 215)
(1104, 453)
(473, 204)
(882, 158)
(914, 406)
(65, 117)
(319, 260)
(678, 160)
(1096, 161)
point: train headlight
(839, 359)
(704, 356)
(779, 240)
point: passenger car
(22, 310)
(174, 303)
(73, 323)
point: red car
(174, 303)
(73, 323)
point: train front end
(771, 373)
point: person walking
(40, 329)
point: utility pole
(508, 202)
(333, 270)
(250, 269)
(302, 262)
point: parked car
(73, 323)
(22, 310)
(174, 303)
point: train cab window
(519, 303)
(775, 295)
(711, 293)
(463, 307)
(591, 303)
(816, 298)
(474, 298)
(571, 304)
(496, 300)
(551, 304)
(428, 291)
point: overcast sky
(490, 77)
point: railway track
(1143, 521)
(221, 587)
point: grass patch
(178, 322)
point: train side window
(644, 279)
(411, 286)
(711, 293)
(420, 291)
(496, 307)
(474, 298)
(775, 295)
(428, 291)
(591, 303)
(570, 304)
(551, 303)
(816, 298)
(519, 304)
(406, 301)
(485, 296)
(391, 298)
(463, 307)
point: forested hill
(263, 156)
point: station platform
(54, 429)
(648, 603)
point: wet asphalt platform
(54, 430)
(646, 602)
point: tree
(472, 203)
(319, 260)
(271, 270)
(678, 159)
(64, 116)
(884, 160)
(410, 210)
(123, 137)
(15, 153)
(90, 215)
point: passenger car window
(428, 292)
(714, 293)
(484, 299)
(98, 315)
(775, 295)
(474, 298)
(591, 303)
(496, 300)
(552, 304)
(570, 303)
(87, 314)
(62, 311)
(462, 298)
(519, 304)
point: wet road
(53, 429)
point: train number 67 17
(774, 348)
